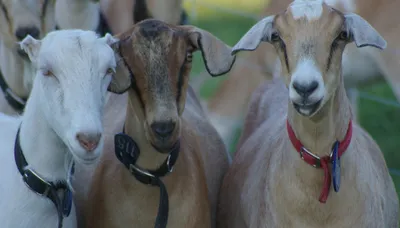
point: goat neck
(318, 132)
(43, 149)
(149, 157)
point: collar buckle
(28, 174)
(169, 167)
(317, 160)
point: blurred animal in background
(122, 14)
(35, 18)
(361, 67)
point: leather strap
(127, 152)
(42, 187)
(322, 162)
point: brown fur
(158, 58)
(365, 66)
(269, 185)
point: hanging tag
(67, 202)
(126, 149)
(336, 167)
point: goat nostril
(88, 141)
(22, 32)
(305, 89)
(163, 129)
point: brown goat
(361, 67)
(162, 112)
(285, 152)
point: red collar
(318, 162)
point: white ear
(362, 33)
(259, 32)
(109, 39)
(31, 46)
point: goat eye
(189, 56)
(343, 35)
(47, 73)
(110, 71)
(275, 37)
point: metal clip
(170, 169)
(317, 164)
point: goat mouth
(307, 109)
(167, 150)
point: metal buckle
(318, 159)
(170, 169)
(38, 177)
(132, 168)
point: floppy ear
(216, 54)
(261, 31)
(362, 33)
(121, 81)
(31, 46)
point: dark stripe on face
(180, 82)
(44, 7)
(4, 8)
(282, 46)
(133, 81)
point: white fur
(311, 9)
(17, 71)
(306, 72)
(59, 107)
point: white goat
(62, 122)
(36, 18)
(286, 149)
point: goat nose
(305, 90)
(22, 32)
(163, 129)
(89, 141)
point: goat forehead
(309, 9)
(76, 54)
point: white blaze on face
(311, 9)
(305, 73)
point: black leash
(13, 100)
(127, 152)
(42, 187)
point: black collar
(16, 102)
(127, 152)
(42, 187)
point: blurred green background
(382, 121)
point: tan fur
(362, 67)
(119, 13)
(155, 51)
(269, 185)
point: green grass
(381, 121)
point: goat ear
(109, 39)
(261, 31)
(362, 33)
(121, 81)
(31, 46)
(216, 54)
